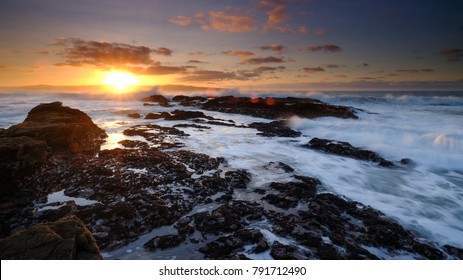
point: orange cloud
(303, 30)
(80, 52)
(329, 65)
(276, 48)
(196, 61)
(238, 53)
(209, 75)
(261, 60)
(181, 20)
(223, 21)
(276, 15)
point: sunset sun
(120, 81)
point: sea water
(426, 127)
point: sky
(254, 44)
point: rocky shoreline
(155, 182)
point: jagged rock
(274, 129)
(20, 152)
(268, 108)
(65, 239)
(62, 128)
(161, 100)
(164, 242)
(288, 252)
(346, 149)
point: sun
(120, 81)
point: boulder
(21, 152)
(65, 239)
(62, 128)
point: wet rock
(62, 128)
(200, 127)
(238, 179)
(161, 100)
(67, 238)
(155, 116)
(274, 129)
(345, 149)
(288, 252)
(453, 251)
(134, 115)
(189, 100)
(164, 242)
(134, 144)
(268, 108)
(224, 246)
(291, 193)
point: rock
(268, 108)
(292, 193)
(164, 242)
(274, 129)
(20, 152)
(199, 127)
(65, 239)
(157, 98)
(62, 128)
(346, 149)
(288, 252)
(134, 115)
(155, 116)
(238, 179)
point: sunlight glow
(120, 81)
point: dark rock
(64, 239)
(453, 251)
(238, 179)
(155, 116)
(134, 115)
(268, 108)
(156, 98)
(274, 129)
(179, 115)
(288, 252)
(200, 127)
(281, 201)
(164, 242)
(345, 149)
(291, 193)
(20, 152)
(189, 100)
(62, 128)
(406, 161)
(285, 167)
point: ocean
(425, 197)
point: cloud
(313, 69)
(4, 67)
(326, 48)
(196, 61)
(276, 15)
(263, 69)
(199, 53)
(238, 53)
(452, 54)
(413, 70)
(223, 21)
(329, 65)
(320, 32)
(163, 51)
(303, 30)
(181, 20)
(78, 52)
(157, 69)
(276, 48)
(209, 75)
(261, 60)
